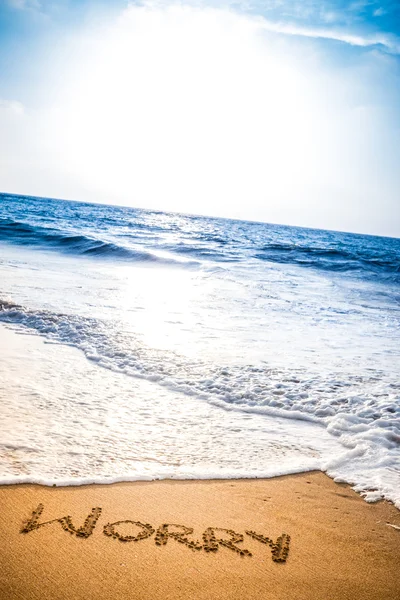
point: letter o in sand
(147, 531)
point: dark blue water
(130, 234)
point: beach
(195, 408)
(199, 300)
(339, 546)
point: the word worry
(212, 538)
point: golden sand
(295, 537)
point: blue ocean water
(131, 234)
(271, 328)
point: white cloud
(379, 12)
(389, 41)
(297, 11)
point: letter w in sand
(66, 523)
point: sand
(339, 546)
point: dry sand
(340, 546)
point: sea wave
(273, 321)
(22, 233)
(361, 411)
(122, 233)
(331, 259)
(294, 393)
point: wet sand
(298, 537)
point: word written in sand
(212, 539)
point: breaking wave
(331, 259)
(326, 399)
(32, 235)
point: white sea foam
(233, 376)
(86, 424)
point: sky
(283, 111)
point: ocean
(156, 345)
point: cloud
(298, 12)
(389, 42)
(302, 19)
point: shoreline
(32, 402)
(198, 539)
(88, 483)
